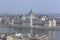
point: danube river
(25, 31)
(57, 35)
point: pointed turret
(31, 12)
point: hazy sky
(23, 6)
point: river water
(55, 37)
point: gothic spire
(30, 12)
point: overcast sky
(23, 6)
